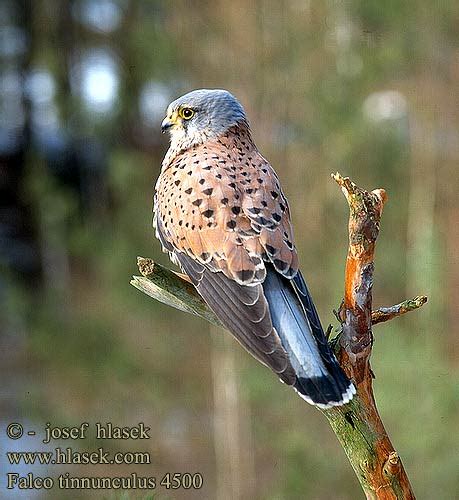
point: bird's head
(201, 115)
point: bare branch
(386, 313)
(171, 289)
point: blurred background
(368, 88)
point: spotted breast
(221, 204)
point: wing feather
(245, 312)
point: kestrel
(220, 213)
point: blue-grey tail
(320, 380)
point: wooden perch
(357, 424)
(172, 289)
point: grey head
(201, 114)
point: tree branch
(386, 313)
(357, 425)
(171, 289)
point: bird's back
(222, 216)
(221, 203)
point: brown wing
(267, 208)
(221, 204)
(245, 312)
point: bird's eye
(186, 113)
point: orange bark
(375, 460)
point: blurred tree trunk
(51, 221)
(421, 207)
(65, 33)
(450, 204)
(232, 433)
(452, 296)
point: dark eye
(186, 113)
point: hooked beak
(166, 125)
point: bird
(221, 215)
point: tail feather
(320, 379)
